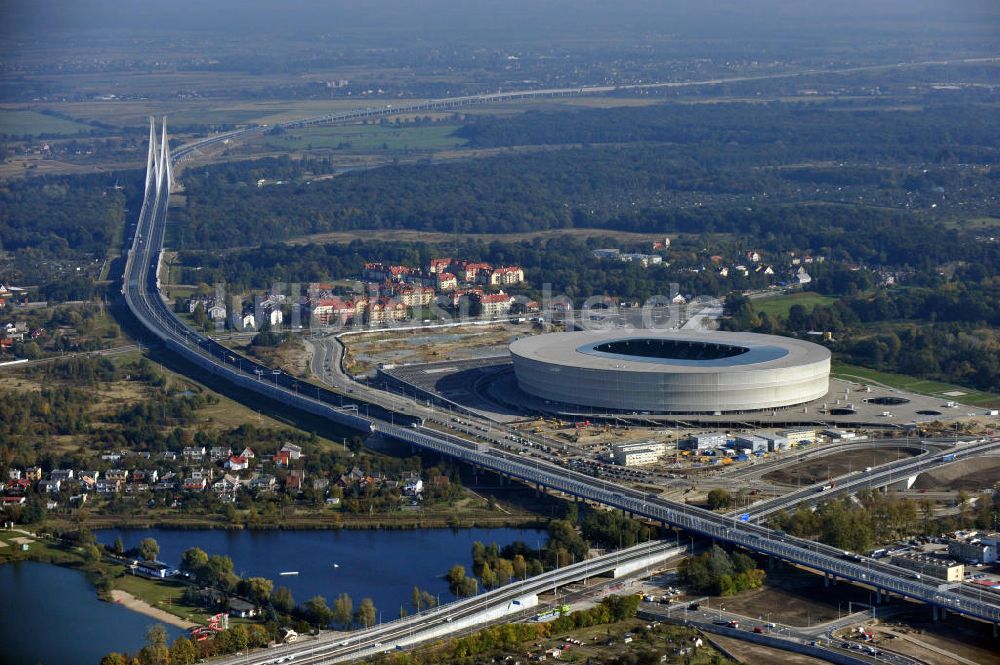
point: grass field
(915, 385)
(165, 595)
(369, 137)
(779, 305)
(24, 122)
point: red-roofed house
(446, 281)
(503, 275)
(237, 463)
(440, 265)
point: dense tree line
(62, 216)
(795, 131)
(638, 188)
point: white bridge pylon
(158, 170)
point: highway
(515, 600)
(880, 476)
(141, 291)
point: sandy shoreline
(129, 601)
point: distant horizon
(509, 21)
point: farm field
(25, 122)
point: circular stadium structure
(670, 371)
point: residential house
(321, 484)
(227, 485)
(193, 452)
(504, 276)
(145, 476)
(121, 475)
(415, 296)
(217, 453)
(237, 463)
(107, 486)
(440, 265)
(15, 474)
(192, 484)
(33, 473)
(445, 281)
(295, 482)
(262, 483)
(62, 475)
(470, 271)
(495, 304)
(49, 486)
(245, 321)
(247, 452)
(384, 310)
(294, 451)
(413, 487)
(216, 312)
(241, 608)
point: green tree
(156, 651)
(719, 498)
(281, 600)
(318, 612)
(183, 652)
(114, 658)
(366, 614)
(119, 546)
(343, 610)
(258, 589)
(149, 549)
(193, 560)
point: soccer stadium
(670, 371)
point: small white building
(637, 454)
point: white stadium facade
(670, 371)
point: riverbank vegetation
(569, 540)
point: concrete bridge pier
(826, 580)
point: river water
(51, 615)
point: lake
(51, 615)
(381, 564)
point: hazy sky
(496, 19)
